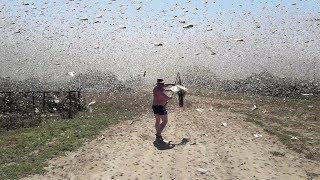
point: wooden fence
(39, 100)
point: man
(160, 99)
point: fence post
(43, 101)
(79, 97)
(10, 102)
(33, 102)
(70, 105)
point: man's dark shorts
(161, 110)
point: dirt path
(200, 148)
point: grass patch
(26, 151)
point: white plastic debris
(239, 40)
(199, 109)
(99, 16)
(84, 19)
(294, 137)
(224, 124)
(101, 138)
(131, 122)
(54, 109)
(138, 8)
(122, 27)
(188, 26)
(90, 106)
(205, 134)
(254, 107)
(307, 94)
(257, 135)
(158, 44)
(36, 110)
(143, 73)
(56, 101)
(202, 171)
(71, 73)
(91, 103)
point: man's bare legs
(160, 126)
(157, 125)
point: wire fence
(39, 101)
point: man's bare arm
(170, 84)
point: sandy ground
(200, 147)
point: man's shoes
(159, 137)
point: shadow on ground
(162, 145)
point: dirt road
(206, 142)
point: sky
(46, 38)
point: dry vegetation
(295, 121)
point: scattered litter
(257, 135)
(239, 40)
(193, 143)
(310, 106)
(205, 134)
(84, 19)
(294, 137)
(182, 22)
(99, 16)
(158, 44)
(72, 73)
(122, 27)
(200, 109)
(25, 3)
(224, 124)
(131, 122)
(54, 109)
(202, 171)
(36, 110)
(254, 107)
(211, 109)
(188, 26)
(91, 103)
(143, 73)
(101, 138)
(96, 47)
(307, 94)
(211, 50)
(138, 8)
(56, 101)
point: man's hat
(160, 81)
